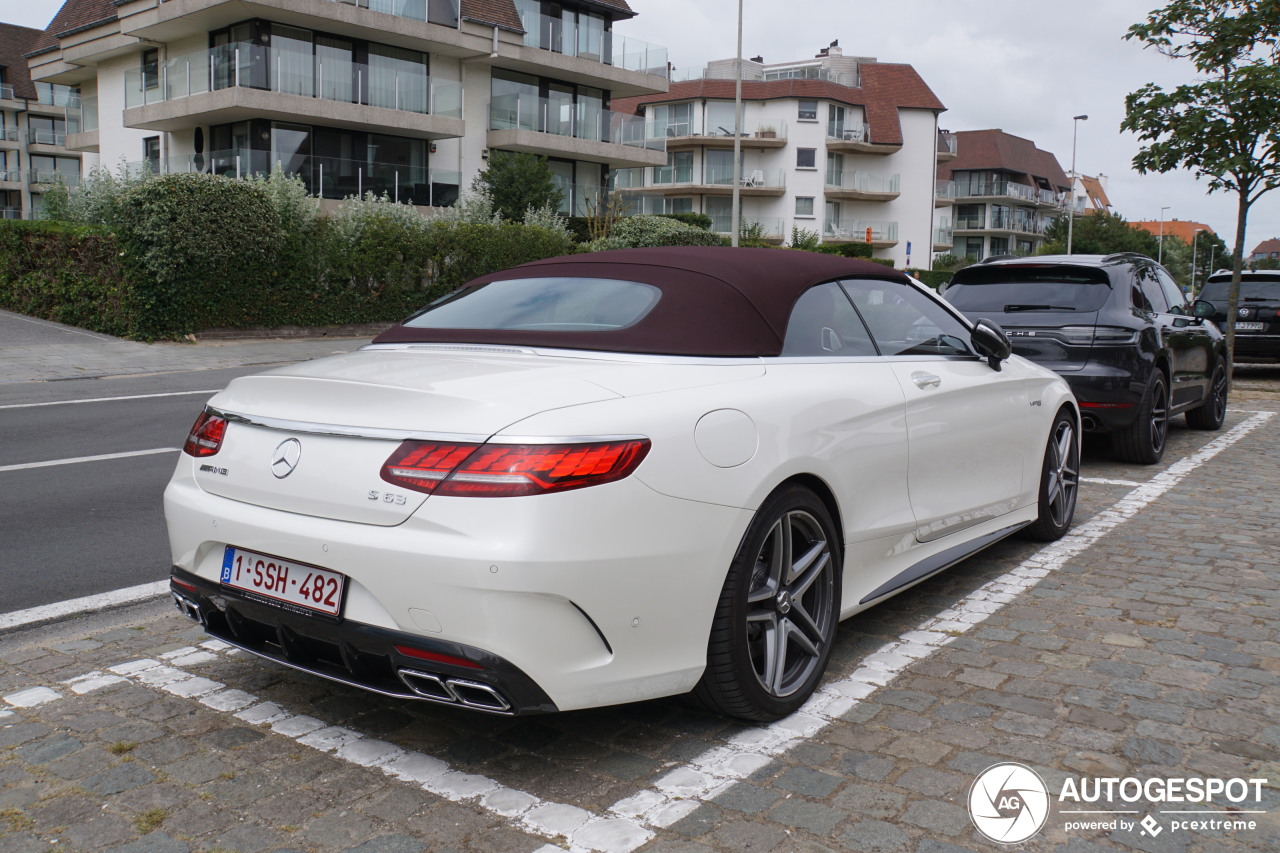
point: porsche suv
(1257, 314)
(1118, 329)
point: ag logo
(1008, 803)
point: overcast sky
(1024, 66)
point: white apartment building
(406, 97)
(845, 146)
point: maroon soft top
(716, 301)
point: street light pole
(1071, 202)
(736, 208)
(1160, 249)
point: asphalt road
(85, 526)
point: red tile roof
(1183, 229)
(1093, 189)
(1267, 247)
(886, 88)
(14, 42)
(997, 150)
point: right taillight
(205, 438)
(509, 470)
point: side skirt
(940, 561)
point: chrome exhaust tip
(426, 685)
(455, 691)
(476, 695)
(188, 607)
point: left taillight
(205, 438)
(510, 470)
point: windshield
(542, 304)
(1250, 291)
(1015, 289)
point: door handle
(926, 380)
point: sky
(1023, 66)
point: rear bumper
(1109, 397)
(1257, 349)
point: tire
(1143, 441)
(1059, 481)
(776, 619)
(1213, 412)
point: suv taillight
(205, 438)
(508, 470)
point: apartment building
(1005, 192)
(842, 145)
(406, 97)
(35, 118)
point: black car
(1257, 313)
(1118, 329)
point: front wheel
(1059, 481)
(1213, 411)
(776, 619)
(1143, 440)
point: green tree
(518, 182)
(1099, 233)
(1225, 127)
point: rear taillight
(205, 438)
(508, 470)
(1095, 335)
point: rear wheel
(1059, 481)
(1143, 440)
(1213, 412)
(778, 612)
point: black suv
(1118, 329)
(1257, 314)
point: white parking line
(106, 399)
(77, 460)
(88, 604)
(1104, 482)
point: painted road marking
(87, 604)
(77, 460)
(106, 399)
(1103, 482)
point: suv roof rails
(1119, 256)
(992, 258)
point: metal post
(1071, 202)
(397, 174)
(1160, 247)
(320, 184)
(736, 208)
(237, 75)
(360, 182)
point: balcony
(47, 137)
(752, 73)
(944, 194)
(943, 236)
(10, 179)
(569, 47)
(86, 119)
(54, 98)
(755, 135)
(862, 186)
(1010, 222)
(1010, 190)
(242, 81)
(11, 134)
(325, 177)
(583, 131)
(855, 138)
(947, 146)
(880, 234)
(39, 178)
(6, 92)
(704, 180)
(11, 213)
(770, 228)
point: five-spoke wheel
(1059, 480)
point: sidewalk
(33, 350)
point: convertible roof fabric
(716, 301)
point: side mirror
(991, 342)
(1202, 309)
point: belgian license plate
(1249, 327)
(291, 584)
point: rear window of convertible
(542, 304)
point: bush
(802, 238)
(933, 278)
(457, 253)
(847, 250)
(698, 220)
(636, 232)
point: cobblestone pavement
(1147, 645)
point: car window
(1173, 294)
(1152, 293)
(1251, 290)
(904, 321)
(542, 304)
(1006, 289)
(823, 323)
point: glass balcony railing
(849, 131)
(257, 67)
(997, 189)
(48, 177)
(576, 120)
(12, 134)
(326, 177)
(945, 189)
(84, 118)
(11, 176)
(943, 235)
(47, 137)
(863, 182)
(443, 12)
(592, 42)
(704, 126)
(873, 231)
(752, 73)
(57, 95)
(11, 213)
(947, 143)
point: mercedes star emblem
(285, 459)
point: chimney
(834, 49)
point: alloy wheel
(1064, 473)
(1159, 416)
(790, 613)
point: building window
(835, 121)
(970, 247)
(804, 205)
(835, 169)
(151, 154)
(807, 111)
(999, 245)
(806, 158)
(677, 205)
(151, 68)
